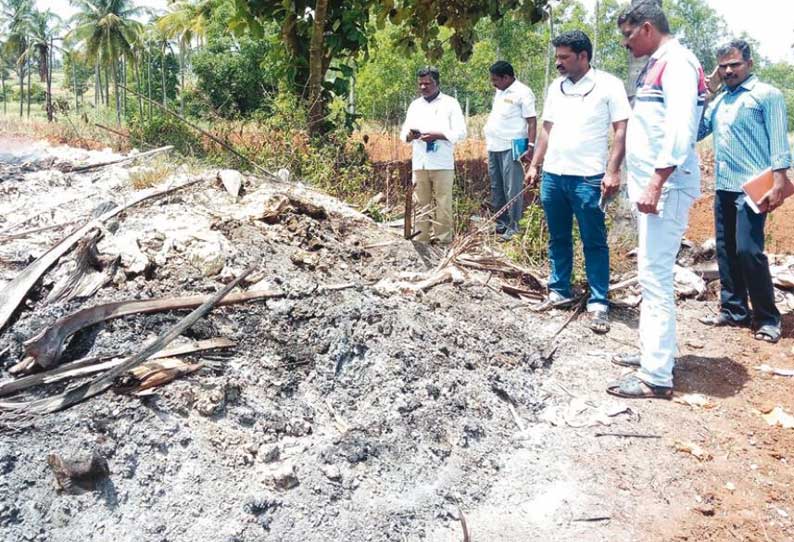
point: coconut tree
(185, 21)
(43, 27)
(16, 14)
(106, 31)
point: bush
(161, 130)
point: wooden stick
(96, 364)
(102, 383)
(89, 167)
(26, 233)
(16, 290)
(409, 210)
(627, 435)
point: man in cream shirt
(433, 124)
(580, 173)
(510, 139)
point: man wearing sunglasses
(579, 173)
(663, 182)
(749, 124)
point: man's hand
(532, 176)
(431, 136)
(649, 200)
(413, 134)
(771, 200)
(714, 81)
(774, 198)
(526, 158)
(610, 184)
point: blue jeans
(563, 197)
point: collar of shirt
(747, 84)
(664, 48)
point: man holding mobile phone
(433, 124)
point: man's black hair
(740, 45)
(649, 11)
(432, 71)
(576, 40)
(501, 68)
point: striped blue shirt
(749, 126)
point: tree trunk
(107, 87)
(21, 89)
(181, 79)
(49, 82)
(149, 81)
(116, 91)
(550, 54)
(74, 80)
(30, 76)
(162, 73)
(316, 65)
(139, 85)
(97, 86)
(595, 33)
(3, 79)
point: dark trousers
(744, 268)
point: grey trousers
(507, 179)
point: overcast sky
(764, 20)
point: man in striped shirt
(748, 122)
(663, 182)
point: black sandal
(769, 333)
(599, 322)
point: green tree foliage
(236, 75)
(317, 33)
(699, 27)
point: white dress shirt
(582, 113)
(664, 124)
(442, 115)
(508, 119)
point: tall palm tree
(42, 29)
(185, 21)
(16, 14)
(106, 31)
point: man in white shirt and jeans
(663, 182)
(509, 139)
(579, 172)
(433, 124)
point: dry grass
(151, 175)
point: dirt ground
(361, 413)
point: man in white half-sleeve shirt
(579, 173)
(433, 124)
(663, 182)
(510, 139)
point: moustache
(560, 67)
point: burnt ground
(361, 415)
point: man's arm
(532, 130)
(775, 120)
(610, 184)
(406, 133)
(533, 171)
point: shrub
(162, 130)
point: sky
(765, 21)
